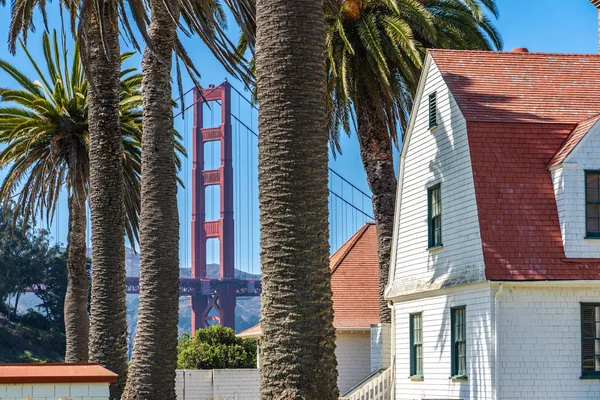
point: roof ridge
(349, 245)
(511, 53)
(558, 157)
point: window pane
(462, 359)
(593, 186)
(589, 317)
(593, 217)
(591, 355)
(419, 364)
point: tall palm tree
(47, 149)
(108, 321)
(98, 29)
(154, 360)
(297, 347)
(375, 54)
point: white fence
(377, 387)
(218, 384)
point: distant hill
(22, 343)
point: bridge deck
(190, 286)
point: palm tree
(375, 54)
(47, 139)
(97, 24)
(154, 360)
(297, 347)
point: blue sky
(542, 25)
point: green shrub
(215, 347)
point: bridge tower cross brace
(223, 298)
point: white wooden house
(495, 271)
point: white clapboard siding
(437, 156)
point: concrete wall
(431, 156)
(58, 391)
(219, 384)
(436, 383)
(540, 343)
(569, 189)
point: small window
(416, 345)
(433, 110)
(434, 200)
(459, 342)
(590, 340)
(592, 203)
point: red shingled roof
(573, 140)
(522, 87)
(55, 373)
(523, 111)
(354, 283)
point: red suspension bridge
(224, 142)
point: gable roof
(573, 140)
(522, 87)
(524, 112)
(354, 283)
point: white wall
(353, 353)
(569, 189)
(70, 391)
(478, 300)
(381, 346)
(219, 384)
(540, 343)
(436, 156)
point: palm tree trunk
(76, 299)
(154, 360)
(378, 162)
(108, 325)
(298, 342)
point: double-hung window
(416, 345)
(459, 342)
(590, 340)
(592, 204)
(434, 200)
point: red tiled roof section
(522, 87)
(518, 216)
(254, 331)
(354, 283)
(55, 373)
(573, 140)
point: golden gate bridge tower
(220, 295)
(213, 296)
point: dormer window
(433, 110)
(592, 204)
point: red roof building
(525, 113)
(495, 267)
(354, 283)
